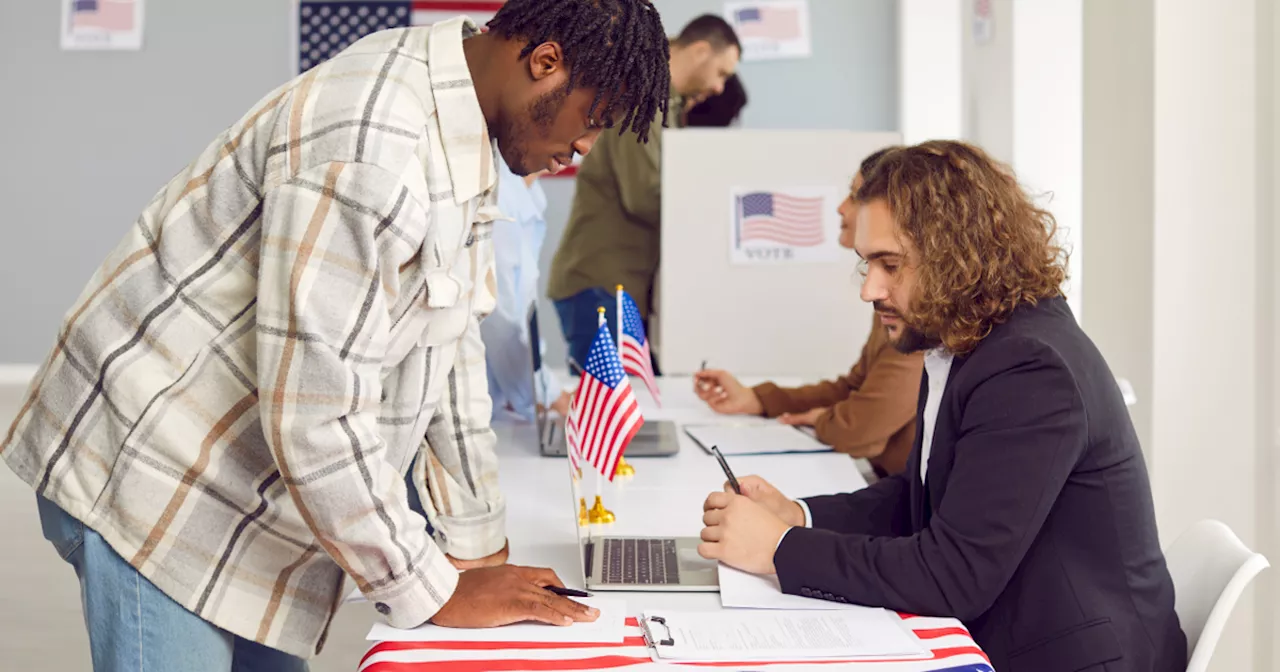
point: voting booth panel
(752, 279)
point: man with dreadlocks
(219, 435)
(613, 232)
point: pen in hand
(702, 383)
(567, 592)
(733, 480)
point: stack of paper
(608, 629)
(754, 439)
(757, 636)
(743, 590)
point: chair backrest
(1211, 567)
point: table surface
(664, 498)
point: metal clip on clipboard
(648, 636)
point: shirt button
(382, 608)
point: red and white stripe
(427, 12)
(602, 422)
(637, 362)
(950, 644)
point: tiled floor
(40, 622)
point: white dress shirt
(937, 367)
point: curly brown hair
(983, 246)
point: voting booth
(752, 279)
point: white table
(664, 498)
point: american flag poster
(102, 24)
(781, 225)
(771, 29)
(326, 27)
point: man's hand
(499, 558)
(763, 493)
(725, 394)
(561, 404)
(807, 419)
(740, 533)
(493, 596)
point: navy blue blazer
(1036, 528)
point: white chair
(1211, 567)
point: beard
(910, 339)
(514, 133)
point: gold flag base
(624, 469)
(584, 518)
(598, 515)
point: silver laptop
(653, 564)
(656, 438)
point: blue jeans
(580, 320)
(133, 626)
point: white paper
(741, 636)
(102, 24)
(736, 439)
(780, 224)
(771, 29)
(743, 590)
(608, 629)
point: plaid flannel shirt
(235, 397)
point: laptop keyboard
(651, 562)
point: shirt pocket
(447, 311)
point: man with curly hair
(1025, 510)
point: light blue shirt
(516, 247)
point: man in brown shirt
(869, 413)
(613, 234)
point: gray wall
(91, 136)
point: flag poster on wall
(326, 27)
(102, 24)
(785, 225)
(771, 29)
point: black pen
(567, 592)
(733, 480)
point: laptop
(649, 564)
(656, 438)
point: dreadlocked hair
(617, 47)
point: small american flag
(774, 23)
(604, 415)
(103, 14)
(325, 28)
(779, 218)
(633, 347)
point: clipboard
(737, 636)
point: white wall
(1022, 92)
(1048, 45)
(930, 70)
(1177, 159)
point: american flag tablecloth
(952, 647)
